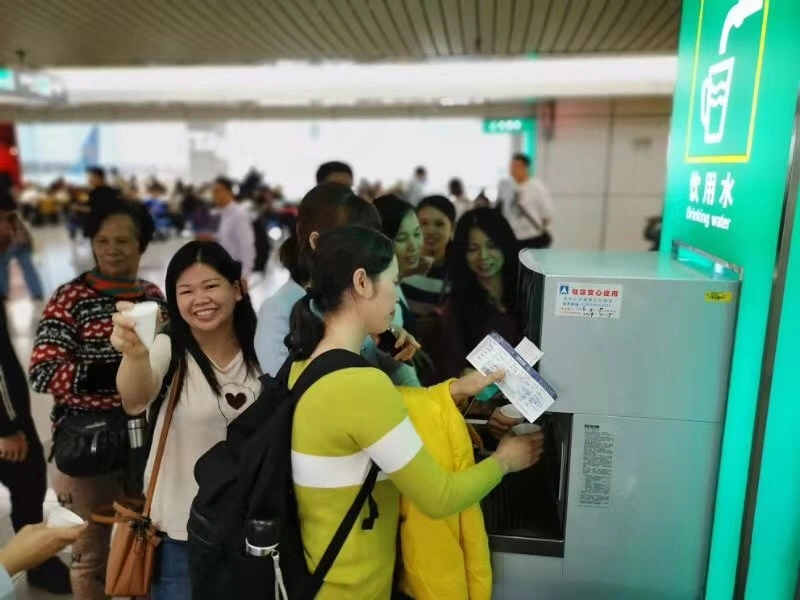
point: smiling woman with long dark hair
(482, 263)
(210, 335)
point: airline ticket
(523, 386)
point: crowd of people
(410, 282)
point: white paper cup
(526, 428)
(512, 412)
(145, 314)
(63, 517)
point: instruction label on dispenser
(589, 300)
(598, 466)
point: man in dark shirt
(22, 464)
(100, 193)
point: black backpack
(246, 499)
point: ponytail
(305, 330)
(325, 206)
(289, 255)
(341, 251)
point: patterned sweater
(73, 358)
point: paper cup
(526, 428)
(63, 517)
(145, 314)
(512, 412)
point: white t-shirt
(531, 209)
(200, 420)
(236, 235)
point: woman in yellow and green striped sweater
(354, 416)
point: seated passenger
(354, 416)
(324, 207)
(210, 340)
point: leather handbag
(133, 546)
(90, 443)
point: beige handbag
(133, 547)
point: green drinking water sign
(730, 139)
(726, 80)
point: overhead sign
(22, 86)
(6, 80)
(503, 125)
(523, 126)
(730, 139)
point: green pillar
(730, 138)
(775, 547)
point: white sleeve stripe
(397, 448)
(330, 472)
(391, 453)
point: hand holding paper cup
(512, 412)
(63, 517)
(134, 327)
(503, 419)
(526, 428)
(145, 314)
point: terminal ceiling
(175, 32)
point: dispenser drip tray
(521, 515)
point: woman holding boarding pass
(210, 340)
(354, 417)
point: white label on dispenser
(529, 351)
(598, 466)
(588, 300)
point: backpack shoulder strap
(325, 364)
(342, 532)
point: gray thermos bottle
(136, 432)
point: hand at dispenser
(516, 453)
(500, 425)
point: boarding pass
(523, 386)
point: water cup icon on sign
(714, 96)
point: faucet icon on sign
(716, 88)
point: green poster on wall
(735, 97)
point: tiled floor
(58, 260)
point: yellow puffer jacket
(447, 558)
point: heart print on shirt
(235, 398)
